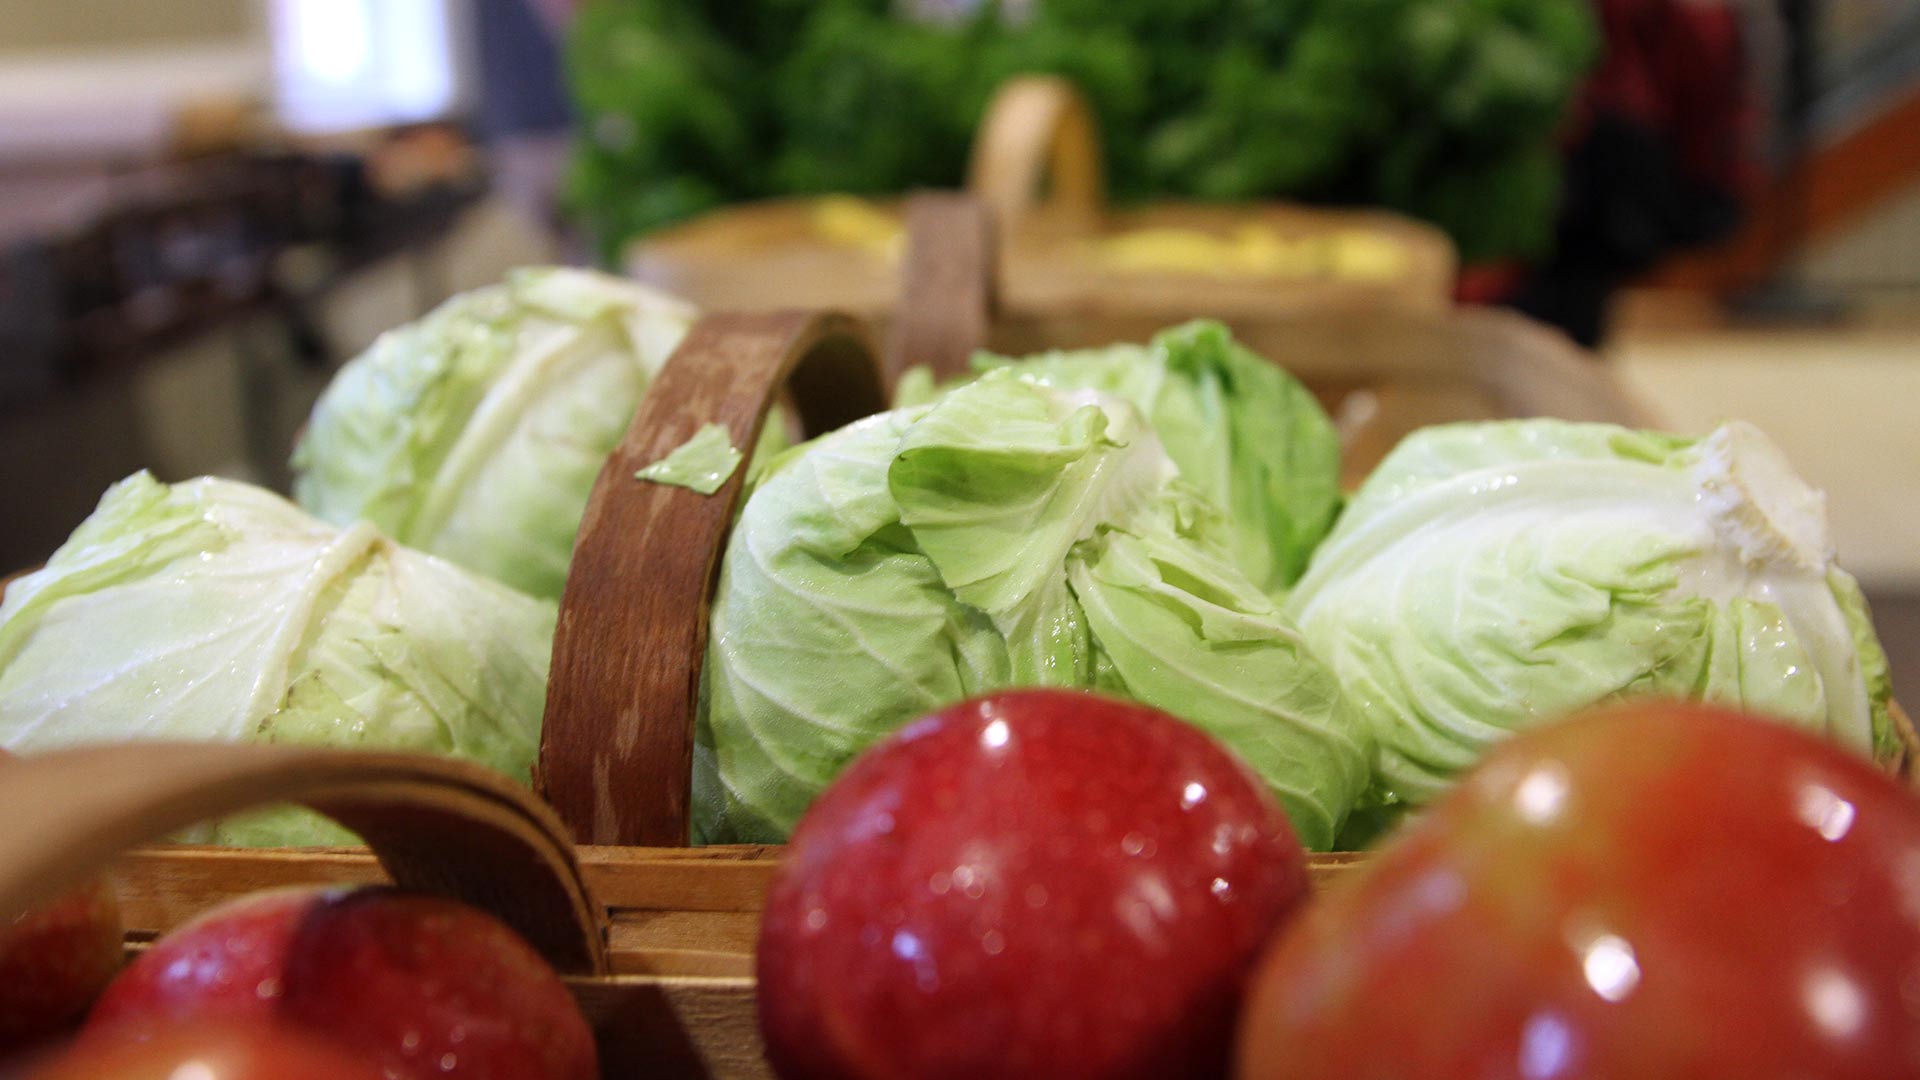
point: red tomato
(1659, 890)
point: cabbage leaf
(216, 611)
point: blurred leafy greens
(1445, 109)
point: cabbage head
(1250, 437)
(1490, 576)
(216, 611)
(1009, 534)
(476, 433)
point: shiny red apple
(54, 961)
(418, 984)
(1660, 890)
(1033, 884)
(225, 1052)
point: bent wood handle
(949, 285)
(436, 824)
(616, 751)
(1531, 369)
(1038, 135)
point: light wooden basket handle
(616, 752)
(436, 824)
(949, 285)
(1532, 369)
(1038, 135)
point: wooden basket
(1036, 161)
(669, 985)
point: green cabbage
(216, 611)
(1489, 576)
(1245, 433)
(1008, 535)
(476, 434)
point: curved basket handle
(1907, 765)
(436, 824)
(1531, 369)
(949, 285)
(616, 751)
(1038, 134)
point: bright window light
(342, 65)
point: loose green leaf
(702, 463)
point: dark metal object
(195, 253)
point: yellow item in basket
(1256, 251)
(849, 222)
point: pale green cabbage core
(215, 611)
(1008, 535)
(476, 434)
(1491, 576)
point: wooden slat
(726, 932)
(165, 885)
(675, 1029)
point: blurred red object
(1663, 153)
(1680, 69)
(557, 13)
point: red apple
(1662, 890)
(226, 1052)
(54, 961)
(1032, 884)
(228, 964)
(415, 983)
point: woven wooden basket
(1037, 161)
(659, 937)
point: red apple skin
(427, 985)
(416, 984)
(1033, 884)
(1658, 890)
(227, 963)
(55, 959)
(225, 1052)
